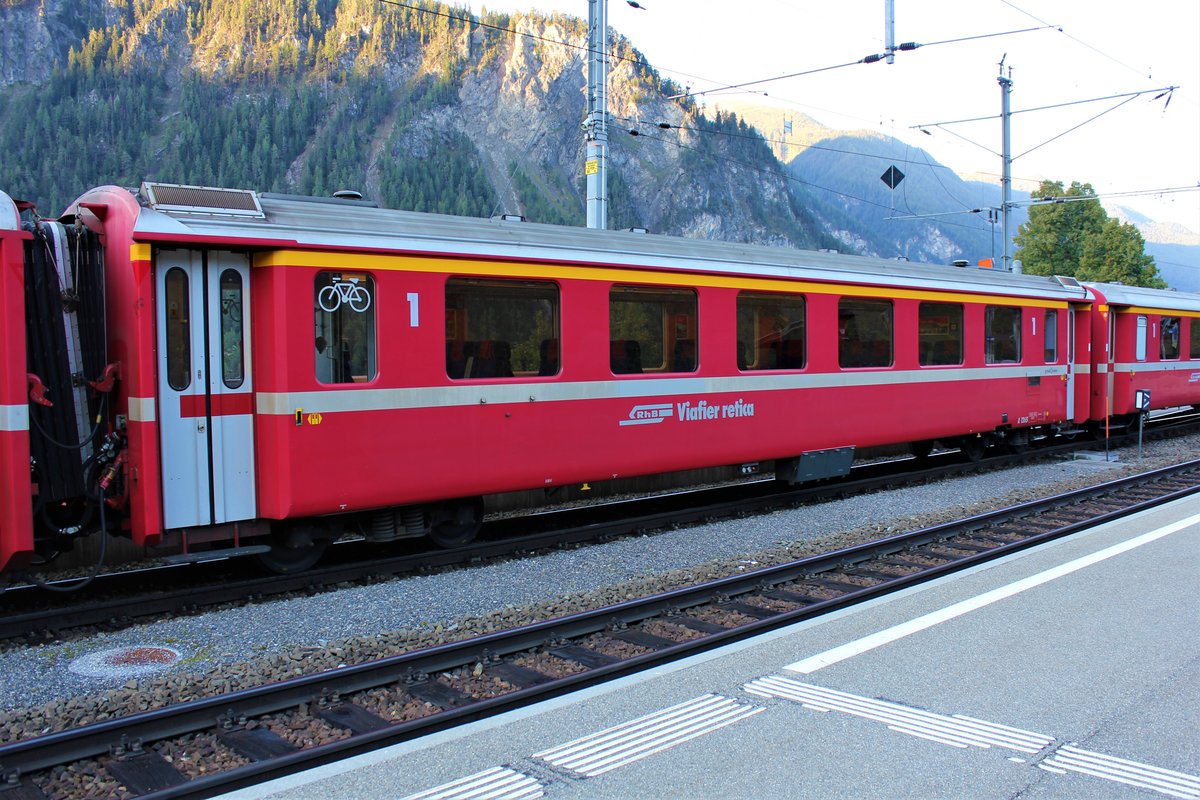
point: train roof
(170, 211)
(1118, 294)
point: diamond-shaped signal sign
(892, 177)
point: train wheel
(294, 549)
(972, 448)
(457, 523)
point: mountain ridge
(433, 111)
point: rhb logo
(649, 414)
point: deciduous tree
(1074, 236)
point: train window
(178, 330)
(1194, 337)
(940, 334)
(652, 329)
(864, 332)
(1002, 329)
(233, 340)
(1168, 342)
(501, 328)
(770, 331)
(1140, 343)
(1050, 346)
(344, 311)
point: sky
(1104, 47)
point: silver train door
(206, 395)
(1070, 364)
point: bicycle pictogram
(231, 308)
(348, 291)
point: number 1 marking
(414, 317)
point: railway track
(118, 600)
(254, 735)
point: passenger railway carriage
(1155, 339)
(222, 368)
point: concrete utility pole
(596, 124)
(1006, 262)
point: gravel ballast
(245, 646)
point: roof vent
(509, 217)
(638, 230)
(347, 194)
(1067, 280)
(202, 200)
(959, 262)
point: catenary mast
(596, 124)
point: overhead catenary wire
(783, 142)
(1131, 95)
(871, 58)
(472, 21)
(1075, 198)
(1075, 39)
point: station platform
(1070, 670)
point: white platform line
(497, 783)
(632, 741)
(888, 635)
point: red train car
(16, 520)
(1153, 345)
(288, 368)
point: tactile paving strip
(623, 744)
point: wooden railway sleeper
(145, 772)
(963, 544)
(751, 610)
(883, 577)
(584, 656)
(353, 718)
(699, 625)
(518, 676)
(256, 744)
(439, 694)
(831, 582)
(643, 639)
(16, 789)
(900, 561)
(793, 597)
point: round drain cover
(124, 661)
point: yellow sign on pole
(591, 166)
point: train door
(1070, 363)
(205, 390)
